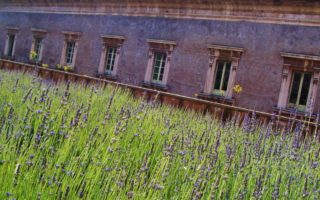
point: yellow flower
(67, 68)
(33, 55)
(237, 89)
(59, 66)
(45, 65)
(222, 92)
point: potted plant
(68, 68)
(45, 65)
(59, 66)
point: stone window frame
(110, 41)
(70, 37)
(38, 34)
(222, 53)
(303, 63)
(158, 46)
(11, 31)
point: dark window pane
(161, 74)
(295, 87)
(155, 76)
(162, 70)
(305, 89)
(37, 47)
(156, 70)
(217, 81)
(10, 45)
(69, 52)
(226, 76)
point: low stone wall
(218, 110)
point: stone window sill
(107, 76)
(73, 70)
(288, 111)
(39, 63)
(216, 98)
(156, 86)
(9, 57)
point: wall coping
(306, 13)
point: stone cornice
(226, 48)
(117, 37)
(165, 2)
(300, 56)
(297, 12)
(166, 42)
(39, 30)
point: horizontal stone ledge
(226, 48)
(118, 37)
(39, 30)
(71, 33)
(300, 56)
(167, 42)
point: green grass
(72, 142)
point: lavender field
(75, 142)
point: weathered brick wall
(259, 71)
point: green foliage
(71, 142)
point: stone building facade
(190, 47)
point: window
(299, 83)
(70, 49)
(221, 73)
(9, 50)
(159, 59)
(159, 64)
(222, 77)
(70, 52)
(110, 56)
(37, 47)
(37, 44)
(11, 41)
(299, 92)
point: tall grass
(72, 142)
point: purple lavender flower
(38, 138)
(8, 194)
(314, 165)
(158, 187)
(85, 118)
